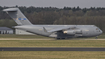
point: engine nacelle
(72, 32)
(69, 32)
(78, 31)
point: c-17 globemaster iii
(56, 31)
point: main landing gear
(60, 38)
(96, 37)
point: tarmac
(49, 49)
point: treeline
(53, 15)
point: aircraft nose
(101, 31)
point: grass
(102, 36)
(52, 43)
(51, 55)
(21, 36)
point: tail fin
(17, 16)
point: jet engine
(72, 32)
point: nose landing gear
(96, 37)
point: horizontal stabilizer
(11, 9)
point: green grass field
(51, 55)
(21, 36)
(40, 41)
(52, 43)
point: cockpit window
(98, 29)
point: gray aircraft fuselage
(85, 30)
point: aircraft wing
(60, 29)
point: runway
(49, 49)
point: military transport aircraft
(56, 31)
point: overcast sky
(54, 3)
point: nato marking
(19, 18)
(24, 18)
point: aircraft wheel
(96, 37)
(57, 38)
(63, 38)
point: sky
(54, 3)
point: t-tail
(17, 16)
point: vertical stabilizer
(17, 16)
